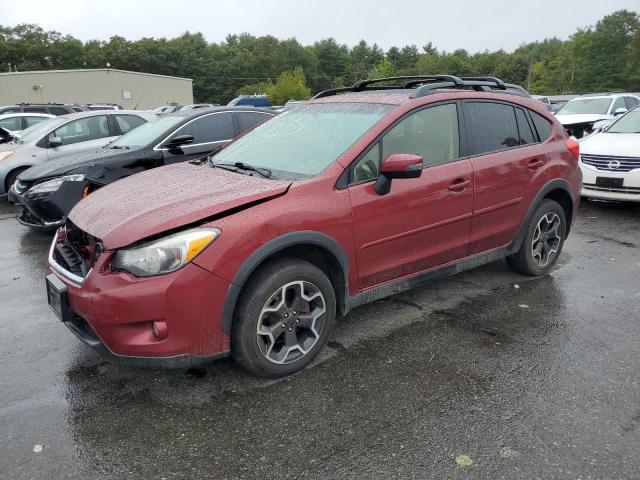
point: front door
(421, 223)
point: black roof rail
(499, 83)
(426, 84)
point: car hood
(613, 144)
(66, 163)
(581, 118)
(165, 198)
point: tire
(543, 241)
(12, 177)
(286, 301)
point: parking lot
(483, 375)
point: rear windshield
(584, 106)
(305, 139)
(630, 123)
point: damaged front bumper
(46, 211)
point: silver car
(72, 133)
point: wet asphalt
(469, 377)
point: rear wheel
(543, 242)
(284, 318)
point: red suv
(360, 193)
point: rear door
(421, 223)
(508, 169)
(209, 132)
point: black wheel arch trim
(556, 184)
(271, 248)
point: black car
(48, 192)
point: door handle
(459, 184)
(535, 164)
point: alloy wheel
(291, 322)
(546, 239)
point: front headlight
(165, 255)
(54, 184)
(5, 155)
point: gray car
(73, 133)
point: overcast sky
(473, 25)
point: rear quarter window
(543, 126)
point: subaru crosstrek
(357, 194)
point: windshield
(304, 140)
(595, 106)
(35, 132)
(630, 123)
(147, 132)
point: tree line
(602, 57)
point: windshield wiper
(119, 147)
(264, 172)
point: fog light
(160, 330)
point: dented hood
(165, 198)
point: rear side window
(247, 120)
(209, 128)
(128, 122)
(58, 111)
(492, 127)
(542, 126)
(524, 129)
(35, 110)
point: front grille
(74, 251)
(591, 186)
(608, 163)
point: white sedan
(610, 160)
(16, 122)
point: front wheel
(543, 241)
(284, 318)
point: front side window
(37, 131)
(630, 102)
(11, 123)
(82, 130)
(304, 140)
(431, 133)
(128, 122)
(580, 106)
(209, 128)
(30, 121)
(492, 127)
(619, 103)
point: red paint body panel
(121, 307)
(449, 213)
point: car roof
(193, 113)
(93, 113)
(26, 114)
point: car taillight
(574, 148)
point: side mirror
(178, 141)
(619, 111)
(397, 165)
(55, 142)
